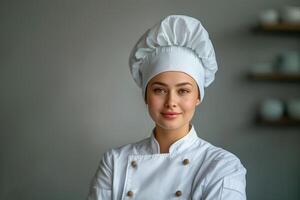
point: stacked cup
(288, 14)
(288, 62)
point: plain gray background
(67, 95)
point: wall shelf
(275, 77)
(280, 28)
(284, 121)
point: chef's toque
(176, 43)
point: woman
(172, 62)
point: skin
(171, 92)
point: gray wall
(67, 94)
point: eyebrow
(179, 84)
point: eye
(183, 91)
(159, 91)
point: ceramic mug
(289, 62)
(290, 14)
(293, 108)
(262, 68)
(270, 16)
(272, 109)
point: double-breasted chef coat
(193, 169)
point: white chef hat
(176, 43)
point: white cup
(270, 16)
(289, 62)
(291, 14)
(262, 68)
(272, 109)
(293, 109)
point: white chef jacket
(193, 169)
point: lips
(170, 115)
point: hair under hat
(176, 43)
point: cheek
(154, 103)
(189, 104)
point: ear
(198, 102)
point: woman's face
(172, 98)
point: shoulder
(224, 164)
(216, 157)
(223, 169)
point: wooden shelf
(278, 28)
(284, 121)
(281, 27)
(275, 77)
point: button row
(184, 162)
(178, 193)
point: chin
(172, 125)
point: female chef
(172, 63)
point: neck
(167, 137)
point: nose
(171, 100)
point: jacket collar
(178, 146)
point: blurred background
(67, 96)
